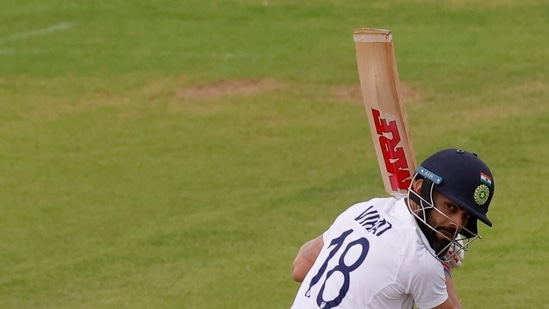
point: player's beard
(437, 241)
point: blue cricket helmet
(465, 179)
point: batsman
(397, 251)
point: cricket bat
(379, 83)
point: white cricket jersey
(374, 256)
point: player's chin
(441, 248)
(443, 241)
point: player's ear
(417, 185)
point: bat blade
(379, 83)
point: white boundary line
(24, 35)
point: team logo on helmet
(482, 193)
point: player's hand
(456, 259)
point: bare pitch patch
(229, 88)
(353, 94)
(350, 94)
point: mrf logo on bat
(379, 83)
(393, 155)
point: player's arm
(452, 302)
(431, 285)
(306, 257)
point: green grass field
(176, 154)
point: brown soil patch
(353, 94)
(350, 94)
(229, 88)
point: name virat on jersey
(373, 222)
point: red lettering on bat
(393, 156)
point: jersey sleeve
(427, 283)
